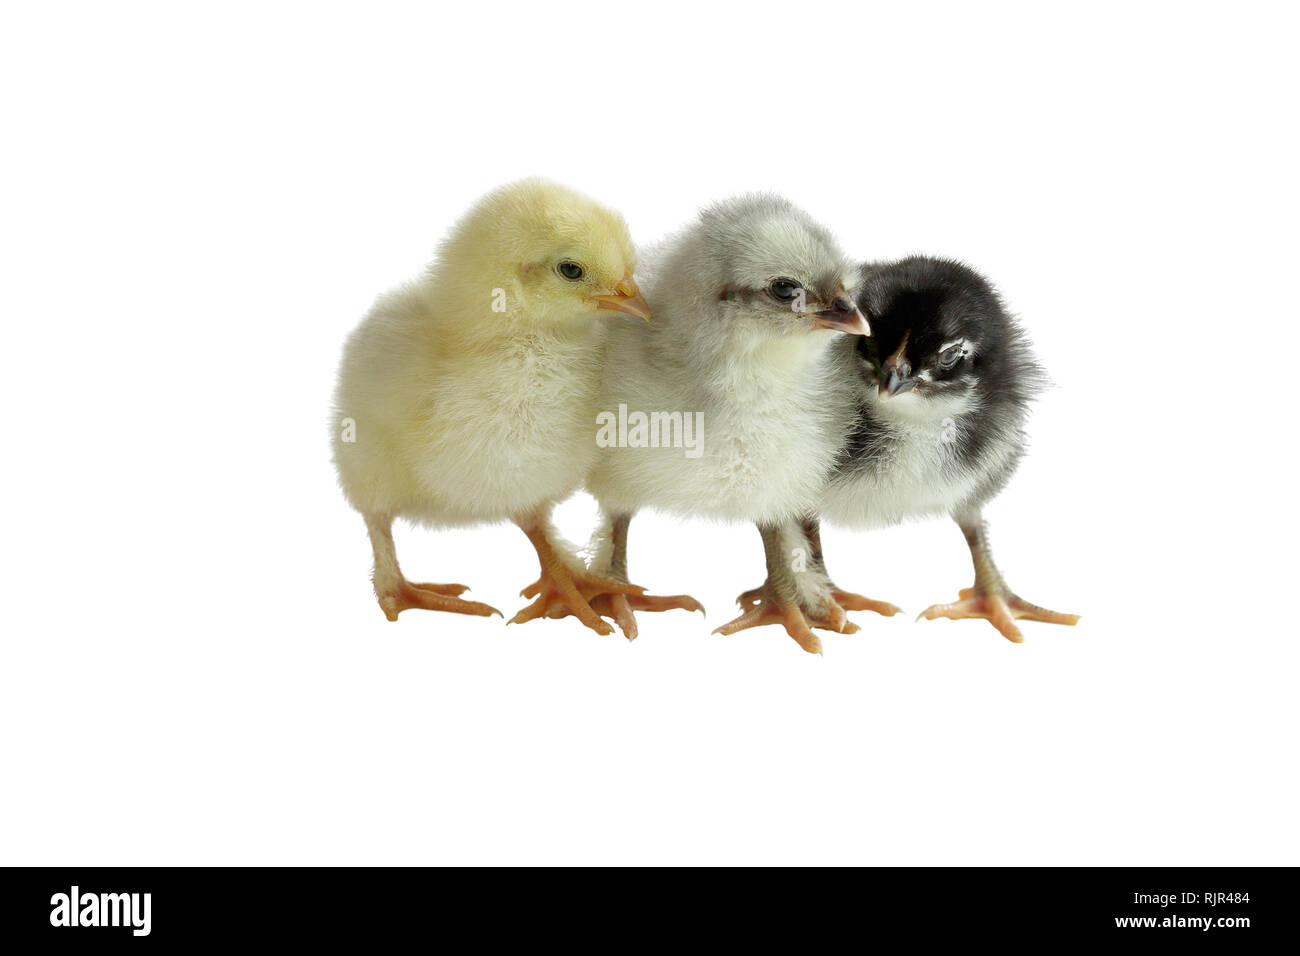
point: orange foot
(430, 597)
(619, 607)
(1001, 609)
(766, 607)
(561, 591)
(856, 602)
(847, 601)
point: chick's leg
(396, 594)
(990, 598)
(781, 600)
(619, 606)
(847, 600)
(564, 586)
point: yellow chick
(470, 394)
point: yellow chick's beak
(626, 298)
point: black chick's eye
(949, 357)
(784, 290)
(570, 270)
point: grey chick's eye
(784, 290)
(950, 356)
(570, 270)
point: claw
(617, 607)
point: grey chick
(943, 390)
(747, 301)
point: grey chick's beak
(843, 316)
(626, 298)
(895, 384)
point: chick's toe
(990, 597)
(620, 607)
(564, 587)
(844, 600)
(798, 622)
(405, 596)
(1002, 610)
(857, 602)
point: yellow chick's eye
(570, 270)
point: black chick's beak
(892, 383)
(843, 316)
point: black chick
(944, 386)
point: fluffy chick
(943, 389)
(747, 301)
(468, 395)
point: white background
(200, 202)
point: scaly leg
(847, 600)
(781, 601)
(619, 605)
(564, 586)
(990, 598)
(396, 594)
